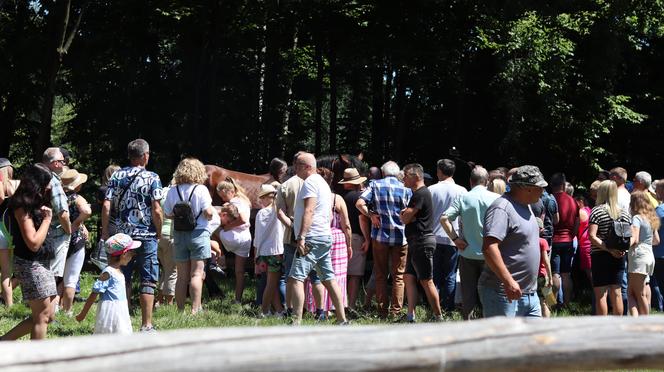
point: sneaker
(217, 269)
(405, 319)
(344, 323)
(148, 329)
(437, 319)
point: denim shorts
(562, 257)
(495, 303)
(147, 265)
(191, 245)
(289, 255)
(318, 258)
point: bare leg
(147, 303)
(568, 286)
(196, 284)
(239, 277)
(5, 268)
(68, 298)
(556, 285)
(353, 290)
(317, 290)
(432, 296)
(411, 293)
(335, 293)
(601, 306)
(615, 296)
(297, 298)
(37, 324)
(271, 293)
(182, 283)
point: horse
(338, 163)
(250, 182)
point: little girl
(269, 243)
(112, 312)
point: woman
(29, 219)
(342, 249)
(7, 188)
(192, 243)
(582, 234)
(235, 235)
(641, 261)
(79, 212)
(607, 264)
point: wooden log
(497, 344)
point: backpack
(183, 214)
(620, 235)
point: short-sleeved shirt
(600, 216)
(286, 197)
(200, 200)
(645, 230)
(387, 197)
(268, 236)
(658, 250)
(351, 198)
(472, 207)
(59, 203)
(443, 194)
(315, 187)
(545, 208)
(568, 212)
(544, 250)
(515, 226)
(134, 212)
(422, 224)
(624, 198)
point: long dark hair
(31, 193)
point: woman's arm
(32, 237)
(655, 238)
(241, 220)
(594, 239)
(84, 212)
(345, 223)
(634, 240)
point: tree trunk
(333, 100)
(319, 98)
(399, 108)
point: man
(471, 207)
(419, 221)
(562, 251)
(446, 255)
(133, 200)
(382, 202)
(313, 238)
(287, 195)
(361, 233)
(657, 279)
(642, 182)
(619, 176)
(508, 284)
(59, 231)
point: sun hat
(71, 179)
(4, 162)
(120, 243)
(266, 189)
(528, 175)
(352, 176)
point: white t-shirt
(269, 233)
(200, 200)
(624, 199)
(239, 235)
(315, 187)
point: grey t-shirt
(515, 226)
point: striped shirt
(600, 217)
(387, 197)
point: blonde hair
(497, 185)
(7, 175)
(640, 204)
(607, 193)
(230, 185)
(190, 170)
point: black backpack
(620, 235)
(183, 215)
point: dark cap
(528, 175)
(4, 162)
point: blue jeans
(657, 285)
(495, 303)
(445, 259)
(148, 267)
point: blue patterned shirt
(387, 197)
(133, 214)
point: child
(269, 245)
(113, 311)
(544, 279)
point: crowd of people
(506, 247)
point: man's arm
(495, 262)
(365, 226)
(105, 214)
(307, 219)
(449, 230)
(63, 217)
(361, 206)
(157, 216)
(408, 214)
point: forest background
(566, 85)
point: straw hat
(266, 189)
(352, 176)
(71, 179)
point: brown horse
(250, 182)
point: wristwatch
(298, 238)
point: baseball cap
(120, 243)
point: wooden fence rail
(497, 344)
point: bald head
(308, 159)
(305, 165)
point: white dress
(112, 310)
